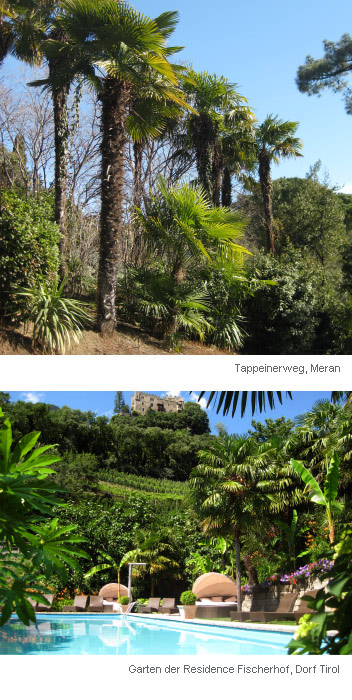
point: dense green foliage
(254, 503)
(333, 610)
(28, 246)
(161, 445)
(27, 498)
(161, 253)
(309, 308)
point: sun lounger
(153, 606)
(96, 604)
(79, 604)
(283, 611)
(40, 607)
(237, 616)
(168, 607)
(303, 605)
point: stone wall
(270, 597)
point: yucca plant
(56, 320)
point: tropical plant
(329, 630)
(156, 551)
(326, 498)
(26, 502)
(225, 491)
(228, 400)
(110, 563)
(55, 318)
(275, 139)
(217, 105)
(181, 226)
(120, 52)
(290, 532)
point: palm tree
(211, 96)
(275, 140)
(37, 35)
(182, 229)
(238, 481)
(156, 550)
(123, 51)
(225, 490)
(229, 400)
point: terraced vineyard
(122, 485)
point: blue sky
(259, 45)
(102, 403)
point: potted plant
(124, 601)
(188, 600)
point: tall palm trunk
(238, 573)
(60, 99)
(217, 173)
(115, 98)
(202, 134)
(265, 184)
(226, 190)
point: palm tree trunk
(60, 98)
(251, 570)
(217, 173)
(265, 184)
(226, 190)
(115, 99)
(202, 133)
(238, 573)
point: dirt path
(127, 340)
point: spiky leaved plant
(56, 320)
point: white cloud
(32, 396)
(202, 402)
(175, 392)
(108, 414)
(347, 188)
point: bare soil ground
(127, 340)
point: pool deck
(217, 623)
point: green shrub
(29, 250)
(333, 610)
(188, 598)
(55, 319)
(124, 600)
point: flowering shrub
(319, 568)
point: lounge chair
(237, 616)
(41, 607)
(96, 604)
(153, 606)
(79, 604)
(283, 611)
(168, 607)
(303, 605)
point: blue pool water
(114, 634)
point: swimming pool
(115, 634)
